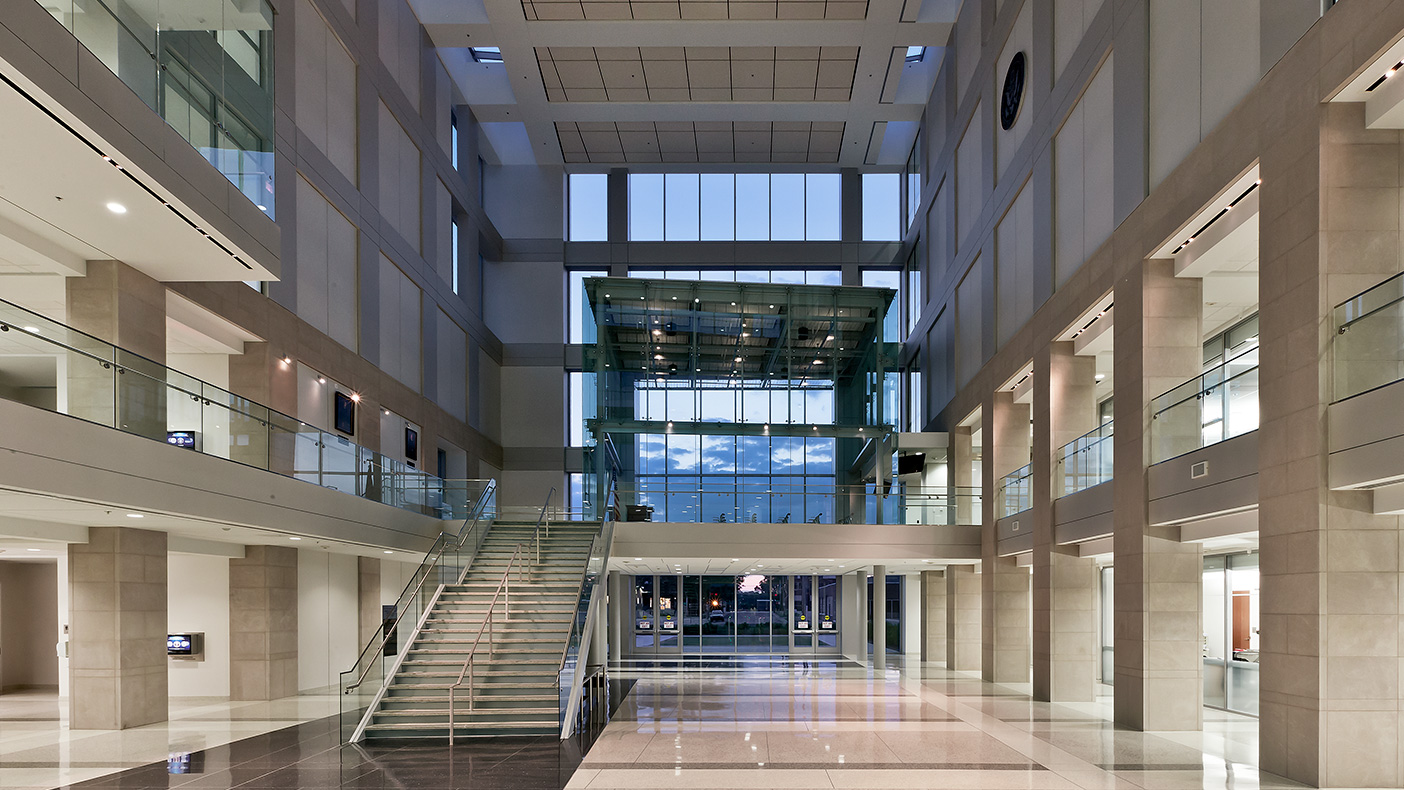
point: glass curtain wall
(752, 613)
(735, 402)
(1232, 610)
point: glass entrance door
(718, 614)
(644, 636)
(669, 624)
(803, 620)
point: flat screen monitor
(411, 445)
(180, 644)
(345, 414)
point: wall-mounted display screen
(181, 438)
(187, 646)
(345, 414)
(411, 445)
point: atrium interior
(715, 394)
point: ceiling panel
(716, 142)
(697, 74)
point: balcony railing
(1015, 492)
(1368, 351)
(1085, 461)
(732, 501)
(1220, 404)
(206, 68)
(52, 366)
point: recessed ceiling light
(387, 551)
(34, 549)
(733, 559)
(116, 208)
(638, 559)
(33, 330)
(294, 538)
(136, 515)
(1100, 376)
(262, 207)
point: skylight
(494, 54)
(915, 54)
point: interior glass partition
(1368, 349)
(736, 402)
(51, 366)
(206, 68)
(1232, 611)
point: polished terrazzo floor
(764, 724)
(39, 751)
(715, 724)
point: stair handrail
(605, 539)
(536, 534)
(504, 589)
(431, 561)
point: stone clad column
(1332, 610)
(933, 616)
(1157, 620)
(263, 623)
(1005, 641)
(879, 617)
(118, 305)
(1064, 584)
(963, 477)
(367, 600)
(117, 637)
(962, 618)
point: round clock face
(1012, 98)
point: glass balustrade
(729, 500)
(1084, 462)
(1016, 491)
(1368, 350)
(1208, 409)
(205, 67)
(57, 368)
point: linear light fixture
(1216, 217)
(122, 170)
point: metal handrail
(387, 632)
(536, 533)
(585, 574)
(504, 589)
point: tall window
(453, 143)
(735, 207)
(588, 195)
(882, 209)
(457, 255)
(576, 299)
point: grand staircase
(515, 674)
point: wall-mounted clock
(1012, 98)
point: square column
(117, 642)
(367, 600)
(1156, 618)
(879, 616)
(263, 623)
(933, 616)
(1064, 585)
(962, 471)
(1332, 610)
(962, 618)
(1006, 649)
(118, 305)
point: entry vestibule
(676, 614)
